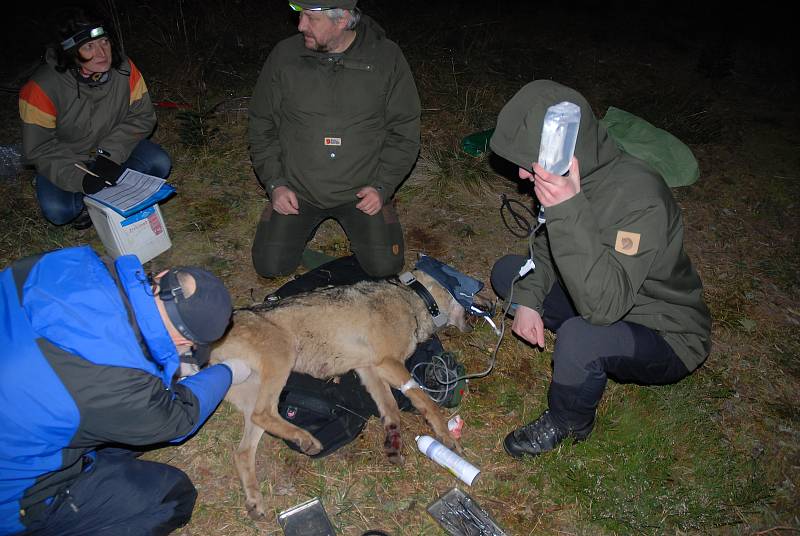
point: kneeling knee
(161, 165)
(572, 344)
(273, 265)
(504, 270)
(184, 495)
(384, 267)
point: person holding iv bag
(608, 274)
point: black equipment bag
(335, 412)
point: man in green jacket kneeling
(611, 277)
(334, 129)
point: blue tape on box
(139, 216)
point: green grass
(656, 464)
(442, 172)
(24, 232)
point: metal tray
(460, 515)
(306, 519)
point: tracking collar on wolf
(460, 286)
(408, 279)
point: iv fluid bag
(559, 135)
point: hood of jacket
(519, 128)
(368, 28)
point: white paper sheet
(132, 188)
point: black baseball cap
(204, 316)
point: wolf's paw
(451, 443)
(393, 444)
(309, 444)
(255, 510)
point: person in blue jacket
(89, 360)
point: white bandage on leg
(410, 384)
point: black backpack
(335, 412)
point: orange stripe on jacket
(136, 82)
(35, 107)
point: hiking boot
(540, 436)
(83, 221)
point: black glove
(92, 184)
(108, 170)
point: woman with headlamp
(86, 115)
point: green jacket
(64, 122)
(617, 245)
(326, 125)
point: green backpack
(664, 152)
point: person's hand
(188, 369)
(284, 201)
(554, 189)
(107, 169)
(92, 184)
(103, 172)
(371, 202)
(528, 325)
(240, 370)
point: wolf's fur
(370, 327)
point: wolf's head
(454, 311)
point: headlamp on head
(322, 5)
(171, 293)
(299, 8)
(203, 316)
(83, 36)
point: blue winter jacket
(85, 360)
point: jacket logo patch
(333, 141)
(627, 243)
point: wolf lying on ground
(370, 327)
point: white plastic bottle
(448, 459)
(559, 135)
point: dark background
(239, 33)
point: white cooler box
(143, 234)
